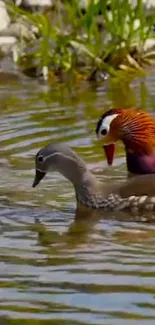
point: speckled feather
(136, 194)
(133, 203)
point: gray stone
(31, 3)
(4, 17)
(13, 35)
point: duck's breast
(140, 164)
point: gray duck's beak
(38, 177)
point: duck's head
(136, 129)
(60, 158)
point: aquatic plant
(89, 42)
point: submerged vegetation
(101, 38)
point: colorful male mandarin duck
(136, 129)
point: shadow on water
(59, 265)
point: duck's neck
(137, 131)
(87, 188)
(94, 194)
(135, 145)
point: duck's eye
(40, 159)
(104, 131)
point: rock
(14, 35)
(149, 45)
(20, 30)
(34, 3)
(148, 4)
(7, 42)
(4, 17)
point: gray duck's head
(59, 157)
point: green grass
(88, 45)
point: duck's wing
(138, 186)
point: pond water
(56, 268)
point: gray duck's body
(134, 194)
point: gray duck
(135, 194)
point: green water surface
(56, 268)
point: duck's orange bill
(109, 150)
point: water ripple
(54, 267)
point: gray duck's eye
(104, 131)
(40, 158)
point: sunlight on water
(57, 268)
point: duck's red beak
(109, 150)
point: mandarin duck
(136, 194)
(136, 129)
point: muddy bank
(57, 40)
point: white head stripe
(55, 154)
(107, 121)
(52, 154)
(106, 124)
